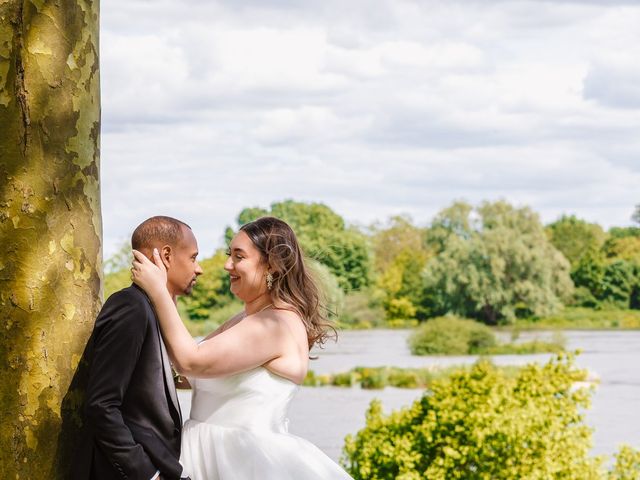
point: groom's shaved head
(158, 230)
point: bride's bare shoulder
(285, 318)
(281, 312)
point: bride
(245, 373)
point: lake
(324, 415)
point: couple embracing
(243, 375)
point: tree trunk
(50, 225)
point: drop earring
(269, 281)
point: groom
(132, 416)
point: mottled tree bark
(50, 225)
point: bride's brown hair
(293, 285)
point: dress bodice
(255, 400)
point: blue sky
(375, 108)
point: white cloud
(375, 108)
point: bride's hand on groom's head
(148, 275)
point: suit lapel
(166, 365)
(168, 376)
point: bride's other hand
(148, 275)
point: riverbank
(569, 318)
(582, 319)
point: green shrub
(457, 336)
(451, 335)
(627, 466)
(313, 380)
(310, 380)
(373, 378)
(401, 378)
(481, 423)
(346, 379)
(481, 339)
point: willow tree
(50, 224)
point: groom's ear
(165, 255)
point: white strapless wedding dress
(237, 430)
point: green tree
(623, 232)
(400, 255)
(390, 240)
(494, 265)
(588, 277)
(323, 236)
(575, 237)
(212, 290)
(50, 225)
(120, 260)
(610, 277)
(455, 220)
(623, 248)
(482, 423)
(619, 283)
(117, 273)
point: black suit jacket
(131, 413)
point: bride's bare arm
(181, 382)
(251, 342)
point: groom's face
(182, 267)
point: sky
(375, 108)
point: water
(324, 415)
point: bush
(482, 423)
(457, 336)
(374, 378)
(451, 335)
(627, 466)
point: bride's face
(247, 269)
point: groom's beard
(192, 283)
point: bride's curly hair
(293, 285)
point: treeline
(493, 262)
